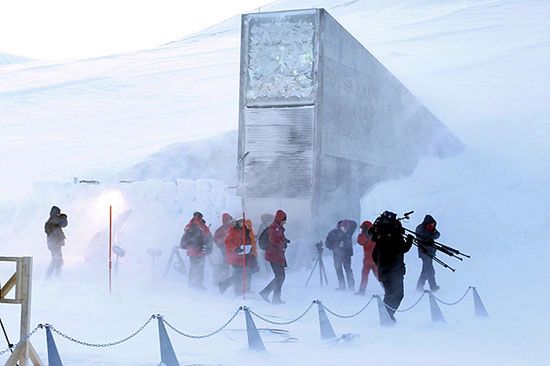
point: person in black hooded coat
(55, 239)
(389, 254)
(340, 242)
(426, 233)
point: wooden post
(25, 271)
(22, 281)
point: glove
(287, 241)
(409, 239)
(341, 244)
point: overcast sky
(72, 29)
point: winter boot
(264, 295)
(278, 301)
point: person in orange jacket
(241, 257)
(368, 245)
(197, 240)
(222, 268)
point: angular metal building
(321, 120)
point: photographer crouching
(388, 254)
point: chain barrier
(158, 316)
(350, 315)
(101, 345)
(406, 309)
(204, 335)
(285, 322)
(24, 339)
(456, 302)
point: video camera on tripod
(450, 251)
(319, 262)
(319, 247)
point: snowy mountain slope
(9, 59)
(482, 54)
(480, 66)
(110, 112)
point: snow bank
(159, 212)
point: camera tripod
(319, 261)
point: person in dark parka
(388, 254)
(275, 255)
(426, 233)
(55, 238)
(339, 241)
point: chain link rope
(204, 335)
(406, 309)
(25, 338)
(350, 315)
(101, 345)
(455, 302)
(285, 322)
(223, 326)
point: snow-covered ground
(480, 66)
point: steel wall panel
(279, 152)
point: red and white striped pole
(244, 258)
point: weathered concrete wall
(322, 120)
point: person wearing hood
(266, 220)
(389, 255)
(339, 241)
(241, 257)
(219, 239)
(368, 245)
(197, 240)
(55, 239)
(426, 233)
(275, 255)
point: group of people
(239, 247)
(384, 244)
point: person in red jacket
(275, 255)
(197, 240)
(222, 269)
(240, 257)
(368, 245)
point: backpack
(192, 237)
(387, 225)
(263, 240)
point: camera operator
(426, 233)
(388, 254)
(340, 243)
(55, 238)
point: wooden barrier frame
(22, 281)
